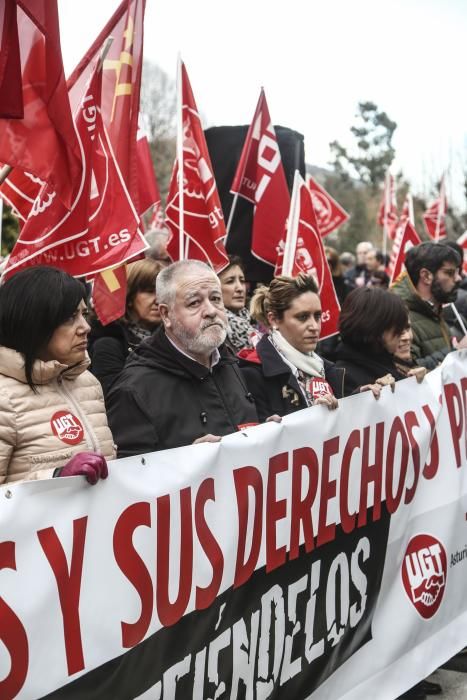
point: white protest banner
(324, 557)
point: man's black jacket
(163, 399)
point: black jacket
(274, 385)
(363, 366)
(109, 347)
(163, 399)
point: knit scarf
(139, 332)
(240, 328)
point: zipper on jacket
(343, 381)
(91, 438)
(227, 410)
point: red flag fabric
(387, 213)
(11, 92)
(463, 242)
(200, 211)
(409, 239)
(121, 85)
(406, 215)
(148, 190)
(19, 191)
(435, 216)
(329, 214)
(260, 179)
(44, 141)
(303, 251)
(99, 230)
(109, 294)
(119, 103)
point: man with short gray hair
(181, 385)
(359, 275)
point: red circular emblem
(424, 572)
(67, 427)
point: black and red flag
(260, 178)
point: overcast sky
(316, 61)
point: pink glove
(89, 464)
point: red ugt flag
(194, 215)
(19, 191)
(121, 85)
(329, 214)
(410, 238)
(44, 141)
(260, 179)
(11, 93)
(406, 215)
(98, 231)
(303, 251)
(148, 190)
(387, 214)
(435, 216)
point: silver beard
(209, 336)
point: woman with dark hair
(283, 372)
(53, 420)
(233, 286)
(109, 346)
(372, 321)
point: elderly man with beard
(431, 280)
(181, 385)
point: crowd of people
(197, 356)
(193, 360)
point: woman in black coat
(283, 373)
(109, 346)
(372, 322)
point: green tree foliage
(10, 230)
(372, 153)
(362, 206)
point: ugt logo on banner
(424, 571)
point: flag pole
(459, 318)
(231, 214)
(292, 227)
(386, 211)
(441, 206)
(411, 214)
(105, 50)
(4, 172)
(181, 231)
(235, 199)
(1, 225)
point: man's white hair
(166, 281)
